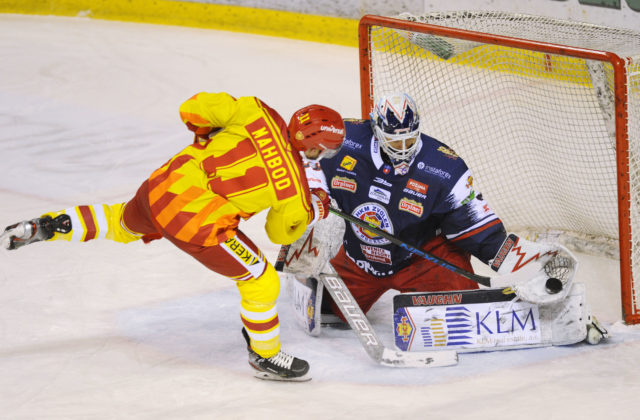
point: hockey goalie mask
(396, 125)
(317, 127)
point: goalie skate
(281, 367)
(35, 230)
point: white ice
(102, 330)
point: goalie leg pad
(306, 298)
(310, 253)
(595, 331)
(568, 318)
(486, 320)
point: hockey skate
(35, 230)
(281, 367)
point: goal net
(545, 112)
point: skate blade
(268, 376)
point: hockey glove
(320, 201)
(537, 272)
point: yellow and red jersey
(200, 195)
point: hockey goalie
(419, 220)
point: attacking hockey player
(244, 159)
(420, 193)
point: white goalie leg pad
(565, 322)
(486, 320)
(306, 299)
(310, 253)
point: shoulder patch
(448, 152)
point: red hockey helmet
(317, 126)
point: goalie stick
(369, 339)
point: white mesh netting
(537, 129)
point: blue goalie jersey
(436, 197)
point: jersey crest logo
(348, 163)
(341, 183)
(411, 206)
(377, 216)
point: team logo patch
(411, 206)
(376, 215)
(341, 183)
(348, 163)
(448, 152)
(404, 329)
(472, 193)
(375, 254)
(379, 194)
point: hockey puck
(553, 285)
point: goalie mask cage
(545, 112)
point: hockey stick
(370, 341)
(282, 257)
(483, 280)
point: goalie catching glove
(539, 273)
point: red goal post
(544, 111)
